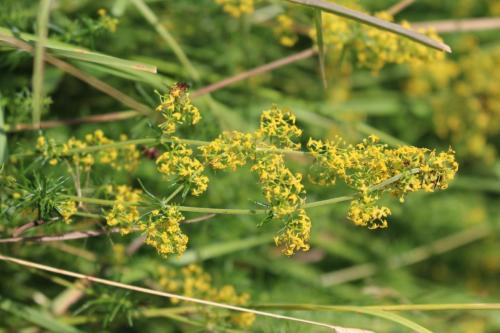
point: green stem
(228, 211)
(122, 144)
(90, 215)
(171, 196)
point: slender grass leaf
(321, 46)
(38, 62)
(373, 21)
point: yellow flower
(278, 125)
(370, 163)
(177, 109)
(285, 30)
(125, 213)
(230, 150)
(163, 231)
(178, 163)
(374, 47)
(236, 8)
(67, 209)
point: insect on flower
(182, 86)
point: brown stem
(139, 241)
(475, 24)
(78, 234)
(307, 53)
(18, 231)
(99, 118)
(398, 7)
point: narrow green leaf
(321, 46)
(38, 62)
(78, 53)
(398, 319)
(395, 318)
(37, 317)
(373, 21)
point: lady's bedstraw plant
(370, 168)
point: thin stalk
(400, 6)
(171, 196)
(462, 25)
(85, 233)
(229, 211)
(318, 21)
(175, 296)
(123, 144)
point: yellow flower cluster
(368, 164)
(85, 161)
(230, 150)
(278, 126)
(124, 214)
(177, 109)
(285, 194)
(465, 97)
(374, 47)
(281, 188)
(285, 30)
(67, 209)
(108, 22)
(193, 281)
(179, 164)
(363, 212)
(237, 8)
(48, 148)
(163, 231)
(125, 158)
(295, 235)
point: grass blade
(38, 62)
(395, 318)
(398, 319)
(151, 17)
(321, 46)
(37, 317)
(373, 21)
